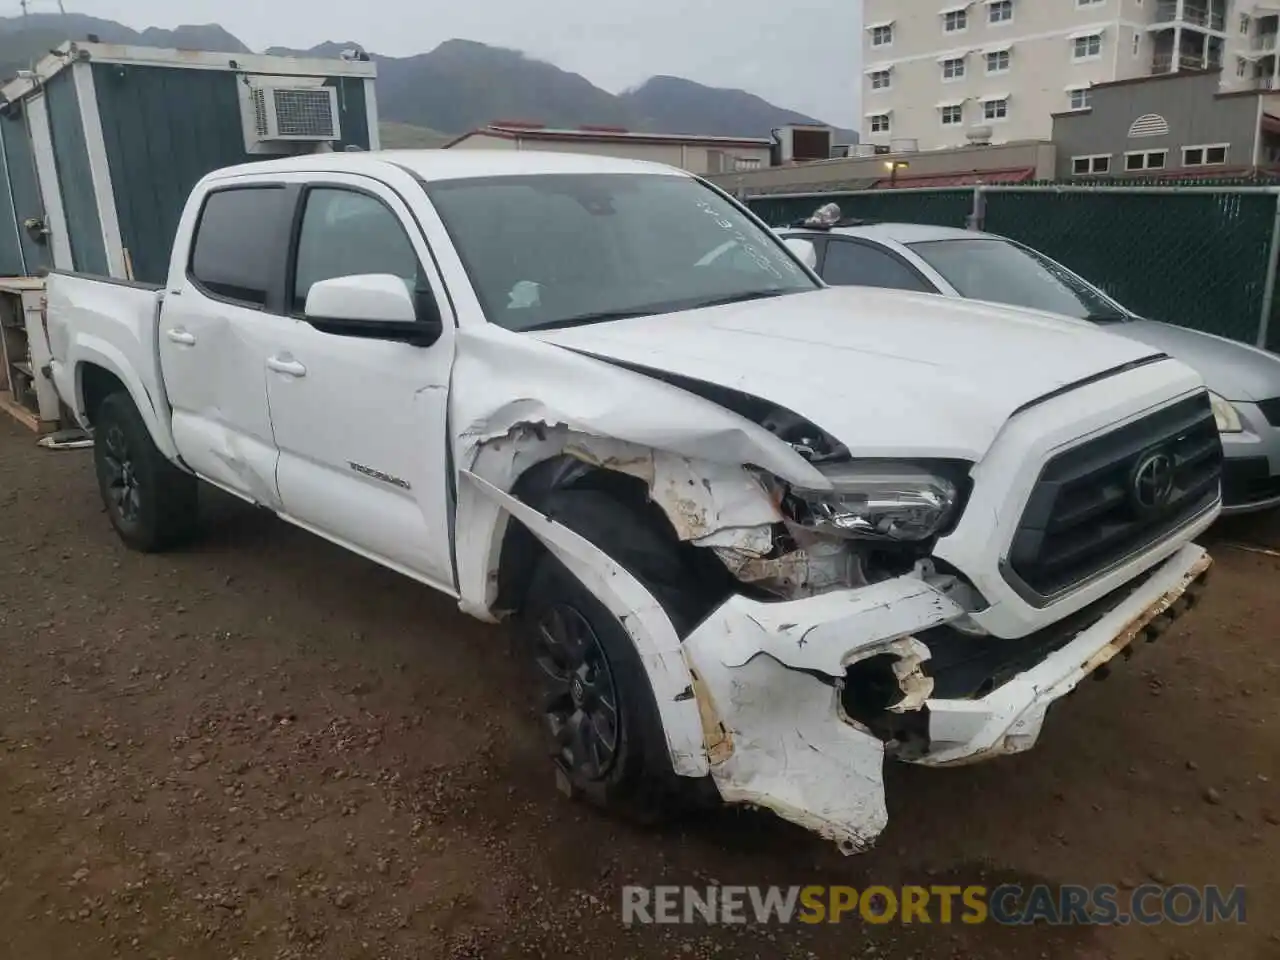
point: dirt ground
(264, 747)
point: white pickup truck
(760, 534)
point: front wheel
(601, 721)
(151, 503)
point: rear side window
(859, 265)
(235, 255)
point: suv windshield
(554, 250)
(1004, 272)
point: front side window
(1002, 272)
(347, 234)
(232, 255)
(852, 264)
(550, 250)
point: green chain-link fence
(1195, 257)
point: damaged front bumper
(801, 701)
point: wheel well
(97, 383)
(521, 550)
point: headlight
(1225, 415)
(879, 501)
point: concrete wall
(694, 157)
(1190, 103)
(861, 172)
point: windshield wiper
(1110, 316)
(736, 298)
(582, 319)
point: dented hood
(885, 372)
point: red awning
(1016, 175)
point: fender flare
(100, 353)
(637, 610)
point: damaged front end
(832, 639)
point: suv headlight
(879, 500)
(1226, 416)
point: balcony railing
(1266, 83)
(1164, 62)
(1196, 15)
(1265, 42)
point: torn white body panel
(638, 612)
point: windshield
(562, 249)
(1003, 272)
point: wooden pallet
(22, 414)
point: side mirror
(805, 250)
(375, 306)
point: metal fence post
(1269, 288)
(977, 218)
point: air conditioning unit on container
(288, 115)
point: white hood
(887, 373)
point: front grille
(1090, 509)
(1271, 410)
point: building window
(995, 109)
(1087, 48)
(882, 36)
(1083, 166)
(953, 69)
(1137, 44)
(879, 123)
(1213, 155)
(1081, 98)
(1000, 11)
(1242, 67)
(1092, 3)
(1145, 160)
(953, 115)
(954, 21)
(746, 163)
(1246, 22)
(998, 61)
(881, 80)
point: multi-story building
(942, 74)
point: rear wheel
(151, 503)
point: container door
(47, 173)
(24, 191)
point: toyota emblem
(1152, 486)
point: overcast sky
(801, 54)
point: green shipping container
(101, 145)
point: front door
(360, 423)
(217, 316)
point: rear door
(215, 329)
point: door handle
(286, 365)
(178, 335)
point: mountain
(675, 105)
(25, 39)
(458, 86)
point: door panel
(360, 423)
(216, 330)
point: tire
(151, 503)
(604, 733)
